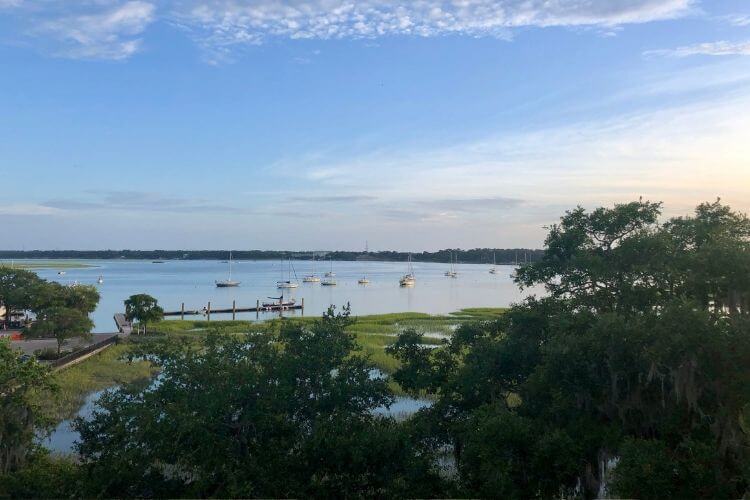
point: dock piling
(208, 311)
(234, 309)
(182, 311)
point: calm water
(192, 282)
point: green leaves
(19, 415)
(144, 309)
(259, 415)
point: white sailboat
(331, 274)
(287, 283)
(227, 283)
(100, 279)
(329, 281)
(408, 279)
(364, 280)
(451, 273)
(311, 278)
(493, 269)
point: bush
(48, 354)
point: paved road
(29, 346)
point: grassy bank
(44, 264)
(373, 332)
(98, 372)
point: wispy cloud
(738, 19)
(720, 48)
(136, 201)
(94, 30)
(113, 29)
(20, 209)
(698, 149)
(479, 204)
(220, 25)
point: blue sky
(325, 123)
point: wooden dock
(235, 309)
(123, 325)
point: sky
(325, 124)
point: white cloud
(112, 29)
(107, 33)
(222, 24)
(681, 155)
(738, 19)
(720, 48)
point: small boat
(451, 273)
(328, 282)
(100, 279)
(311, 278)
(330, 274)
(281, 304)
(61, 273)
(408, 279)
(364, 280)
(227, 283)
(287, 283)
(493, 269)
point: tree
(20, 415)
(61, 323)
(262, 415)
(16, 290)
(144, 309)
(83, 298)
(640, 352)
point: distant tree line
(472, 256)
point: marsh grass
(44, 264)
(373, 332)
(103, 370)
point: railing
(60, 363)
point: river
(192, 282)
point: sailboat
(311, 278)
(451, 273)
(100, 279)
(408, 279)
(364, 280)
(331, 274)
(287, 283)
(493, 269)
(228, 282)
(329, 281)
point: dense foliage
(19, 414)
(61, 312)
(638, 359)
(255, 416)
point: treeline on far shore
(472, 256)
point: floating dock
(207, 311)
